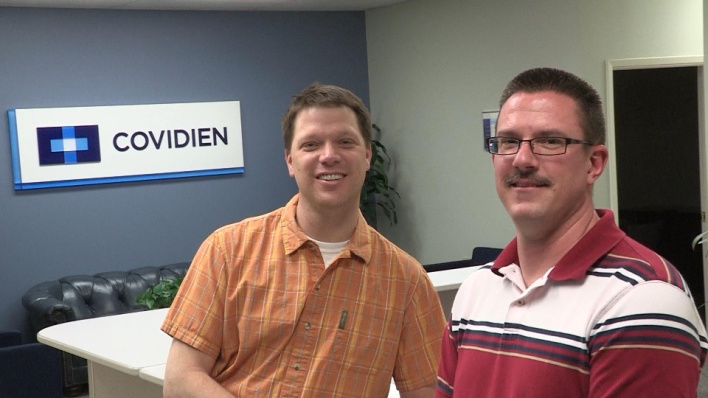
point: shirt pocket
(368, 340)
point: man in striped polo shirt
(572, 307)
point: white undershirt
(330, 250)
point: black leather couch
(88, 296)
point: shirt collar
(294, 238)
(593, 246)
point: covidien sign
(54, 147)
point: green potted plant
(160, 295)
(377, 192)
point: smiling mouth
(524, 184)
(330, 177)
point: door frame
(656, 63)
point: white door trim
(647, 63)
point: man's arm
(425, 392)
(650, 343)
(420, 356)
(188, 374)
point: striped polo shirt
(612, 318)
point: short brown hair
(589, 104)
(321, 95)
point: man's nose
(330, 153)
(525, 157)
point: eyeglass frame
(567, 141)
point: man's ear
(289, 163)
(597, 162)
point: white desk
(450, 279)
(116, 348)
(153, 374)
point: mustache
(531, 177)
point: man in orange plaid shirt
(308, 300)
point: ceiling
(207, 5)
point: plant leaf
(159, 295)
(699, 240)
(377, 191)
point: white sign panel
(54, 147)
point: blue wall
(59, 58)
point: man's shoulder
(391, 261)
(637, 263)
(253, 223)
(482, 274)
(381, 244)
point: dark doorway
(658, 165)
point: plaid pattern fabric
(259, 300)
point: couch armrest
(45, 306)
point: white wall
(435, 65)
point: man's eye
(550, 141)
(309, 145)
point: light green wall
(435, 65)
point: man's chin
(525, 211)
(333, 201)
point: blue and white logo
(68, 145)
(73, 146)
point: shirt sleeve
(448, 364)
(419, 348)
(650, 342)
(196, 315)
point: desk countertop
(114, 340)
(154, 374)
(450, 279)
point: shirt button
(317, 286)
(307, 325)
(296, 366)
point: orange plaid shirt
(259, 300)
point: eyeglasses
(547, 146)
